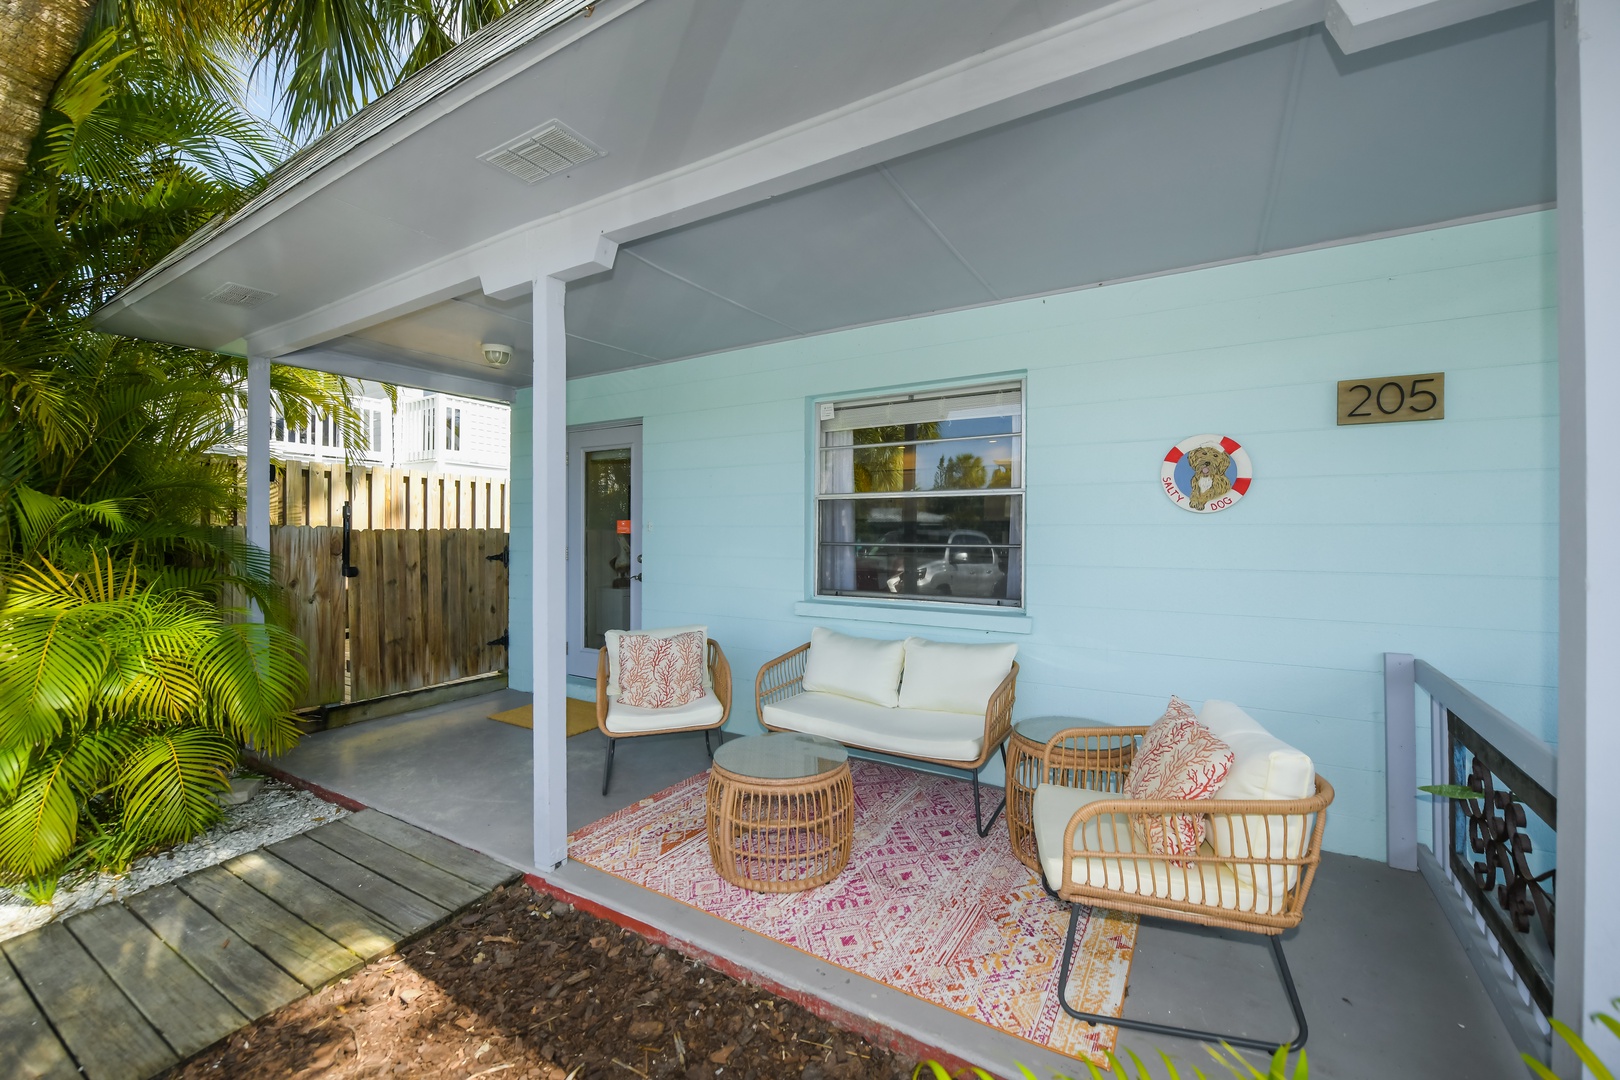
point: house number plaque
(1393, 399)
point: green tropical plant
(1277, 1068)
(129, 678)
(1585, 1053)
(124, 699)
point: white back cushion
(865, 669)
(953, 678)
(612, 646)
(1263, 767)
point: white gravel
(275, 813)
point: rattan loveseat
(1252, 873)
(964, 736)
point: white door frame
(582, 440)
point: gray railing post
(1400, 761)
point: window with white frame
(920, 496)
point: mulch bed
(521, 986)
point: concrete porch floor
(1387, 989)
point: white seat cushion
(1212, 884)
(943, 677)
(628, 720)
(612, 638)
(864, 669)
(1263, 767)
(906, 732)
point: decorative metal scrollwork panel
(1517, 903)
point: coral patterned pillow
(1166, 731)
(1180, 759)
(660, 672)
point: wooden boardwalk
(125, 990)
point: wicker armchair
(617, 722)
(1252, 873)
(783, 678)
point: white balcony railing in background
(437, 433)
(323, 440)
(450, 433)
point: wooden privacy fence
(313, 493)
(422, 609)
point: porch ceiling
(1277, 146)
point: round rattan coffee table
(781, 812)
(1029, 738)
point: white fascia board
(1364, 24)
(1115, 44)
(399, 373)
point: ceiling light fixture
(496, 355)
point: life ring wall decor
(1206, 473)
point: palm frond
(38, 824)
(167, 782)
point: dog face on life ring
(1209, 466)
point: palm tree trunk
(37, 41)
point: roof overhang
(701, 106)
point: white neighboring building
(429, 431)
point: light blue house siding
(1437, 539)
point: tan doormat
(581, 716)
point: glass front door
(604, 540)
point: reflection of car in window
(969, 567)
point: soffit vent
(546, 151)
(236, 295)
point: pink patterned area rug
(925, 906)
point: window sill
(953, 617)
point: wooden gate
(424, 608)
(309, 563)
(421, 611)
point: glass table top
(780, 756)
(1040, 729)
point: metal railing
(1491, 860)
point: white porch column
(257, 437)
(1587, 976)
(549, 573)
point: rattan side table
(1029, 739)
(781, 812)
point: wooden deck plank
(187, 1012)
(429, 882)
(469, 866)
(395, 904)
(301, 950)
(107, 1034)
(342, 920)
(31, 1047)
(249, 981)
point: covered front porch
(1382, 976)
(717, 251)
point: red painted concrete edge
(865, 1026)
(259, 765)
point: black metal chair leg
(607, 773)
(1180, 1032)
(983, 826)
(707, 748)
